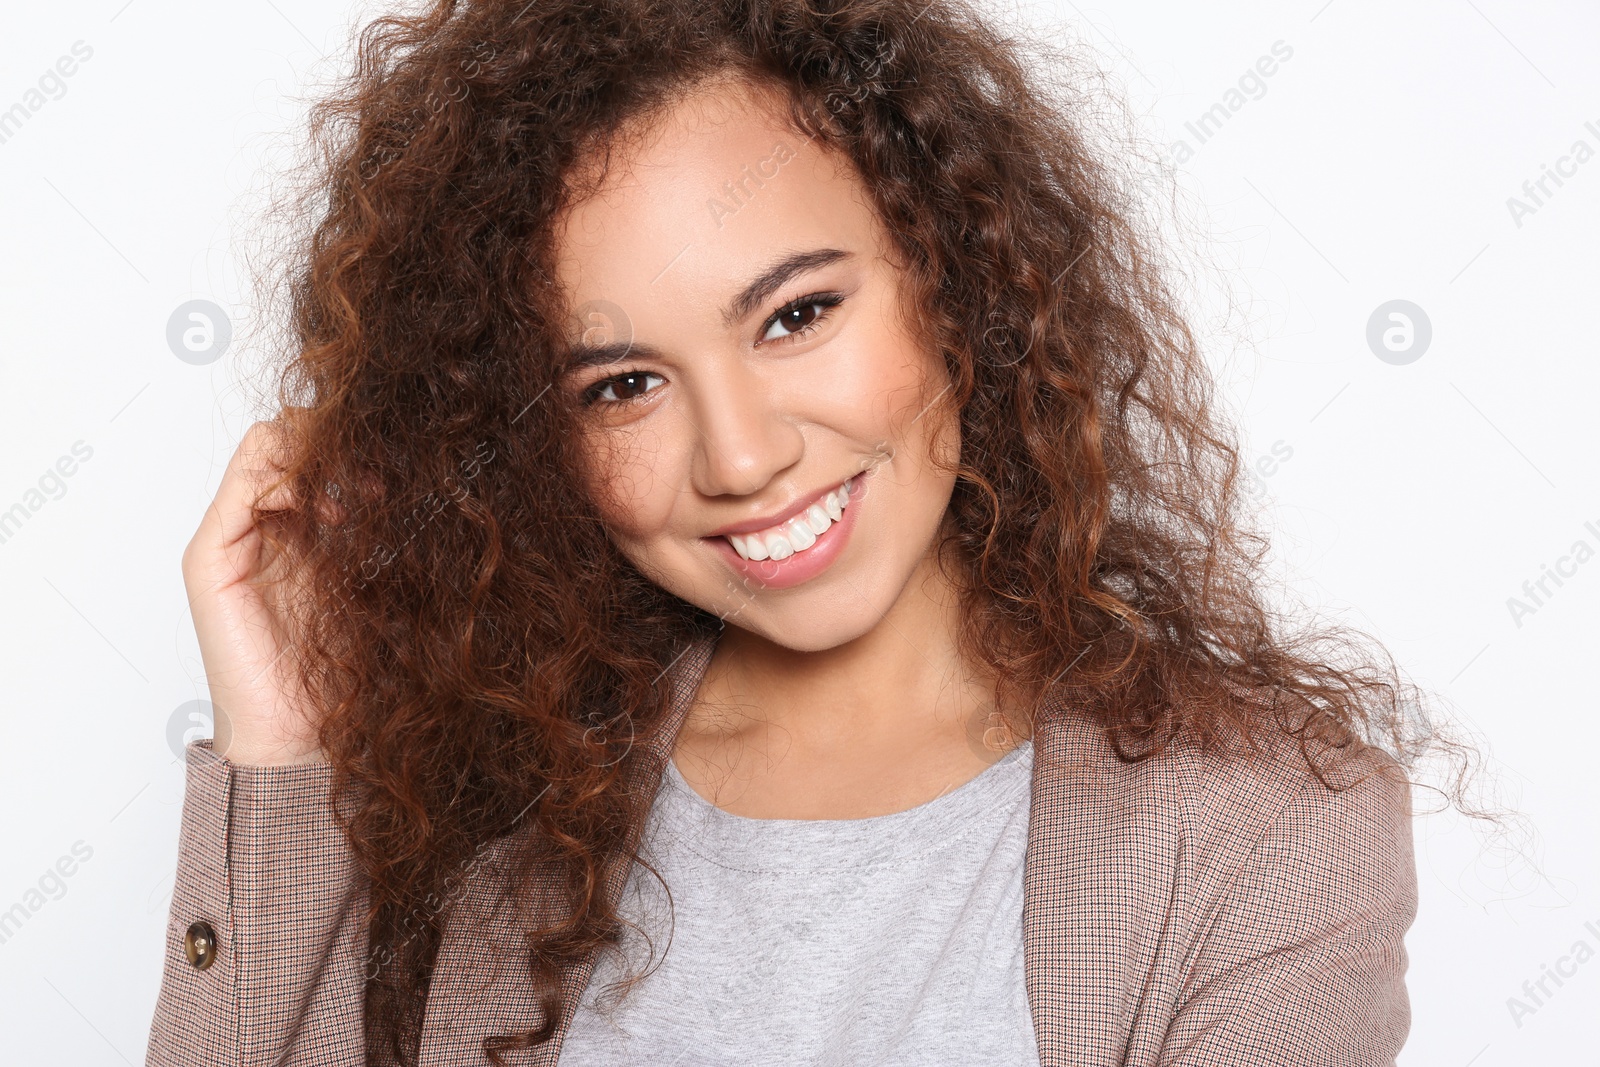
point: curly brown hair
(480, 653)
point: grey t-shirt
(891, 941)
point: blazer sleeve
(262, 861)
(1304, 960)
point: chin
(815, 635)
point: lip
(752, 525)
(802, 566)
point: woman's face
(741, 355)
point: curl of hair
(483, 658)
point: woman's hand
(238, 600)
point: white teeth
(800, 535)
(796, 535)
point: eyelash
(826, 301)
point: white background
(1418, 498)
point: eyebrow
(757, 290)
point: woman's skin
(839, 697)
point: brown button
(201, 945)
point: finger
(269, 456)
(261, 458)
(255, 465)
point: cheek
(874, 393)
(905, 395)
(631, 478)
(937, 411)
(918, 434)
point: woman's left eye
(799, 318)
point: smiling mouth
(798, 534)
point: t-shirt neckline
(744, 843)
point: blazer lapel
(683, 677)
(1096, 891)
(481, 984)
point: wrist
(242, 749)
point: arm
(1304, 960)
(262, 861)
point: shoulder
(1225, 882)
(1228, 806)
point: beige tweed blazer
(1181, 911)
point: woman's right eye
(629, 384)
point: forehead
(701, 195)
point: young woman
(746, 569)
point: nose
(745, 435)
